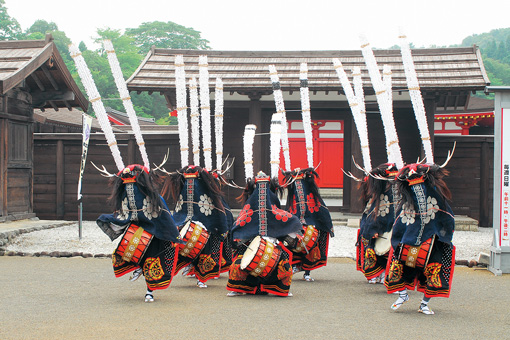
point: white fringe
(182, 110)
(249, 137)
(97, 104)
(126, 99)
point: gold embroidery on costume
(236, 272)
(206, 263)
(370, 259)
(117, 260)
(395, 272)
(314, 254)
(152, 269)
(285, 272)
(431, 272)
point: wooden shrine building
(32, 76)
(447, 78)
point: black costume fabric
(311, 210)
(137, 207)
(227, 254)
(435, 280)
(262, 216)
(158, 262)
(277, 282)
(377, 219)
(428, 216)
(195, 204)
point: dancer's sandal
(149, 297)
(232, 294)
(400, 301)
(136, 274)
(424, 308)
(308, 278)
(201, 284)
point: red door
(328, 150)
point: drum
(261, 257)
(195, 235)
(133, 244)
(382, 244)
(417, 256)
(307, 241)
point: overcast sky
(277, 24)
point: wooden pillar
(60, 179)
(484, 185)
(255, 117)
(3, 167)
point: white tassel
(392, 146)
(205, 109)
(97, 104)
(305, 113)
(194, 120)
(248, 139)
(280, 108)
(357, 105)
(182, 109)
(126, 99)
(416, 97)
(218, 122)
(275, 137)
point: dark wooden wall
(471, 178)
(57, 159)
(16, 128)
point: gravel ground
(469, 244)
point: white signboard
(504, 239)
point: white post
(500, 249)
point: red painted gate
(328, 149)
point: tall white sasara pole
(97, 104)
(126, 99)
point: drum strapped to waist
(308, 240)
(261, 257)
(196, 236)
(417, 256)
(382, 244)
(134, 244)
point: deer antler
(450, 155)
(349, 174)
(165, 159)
(359, 166)
(103, 171)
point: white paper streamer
(392, 145)
(218, 122)
(357, 105)
(126, 99)
(182, 109)
(416, 97)
(275, 137)
(305, 112)
(205, 109)
(194, 120)
(97, 104)
(280, 108)
(248, 138)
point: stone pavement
(79, 298)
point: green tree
(166, 35)
(9, 27)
